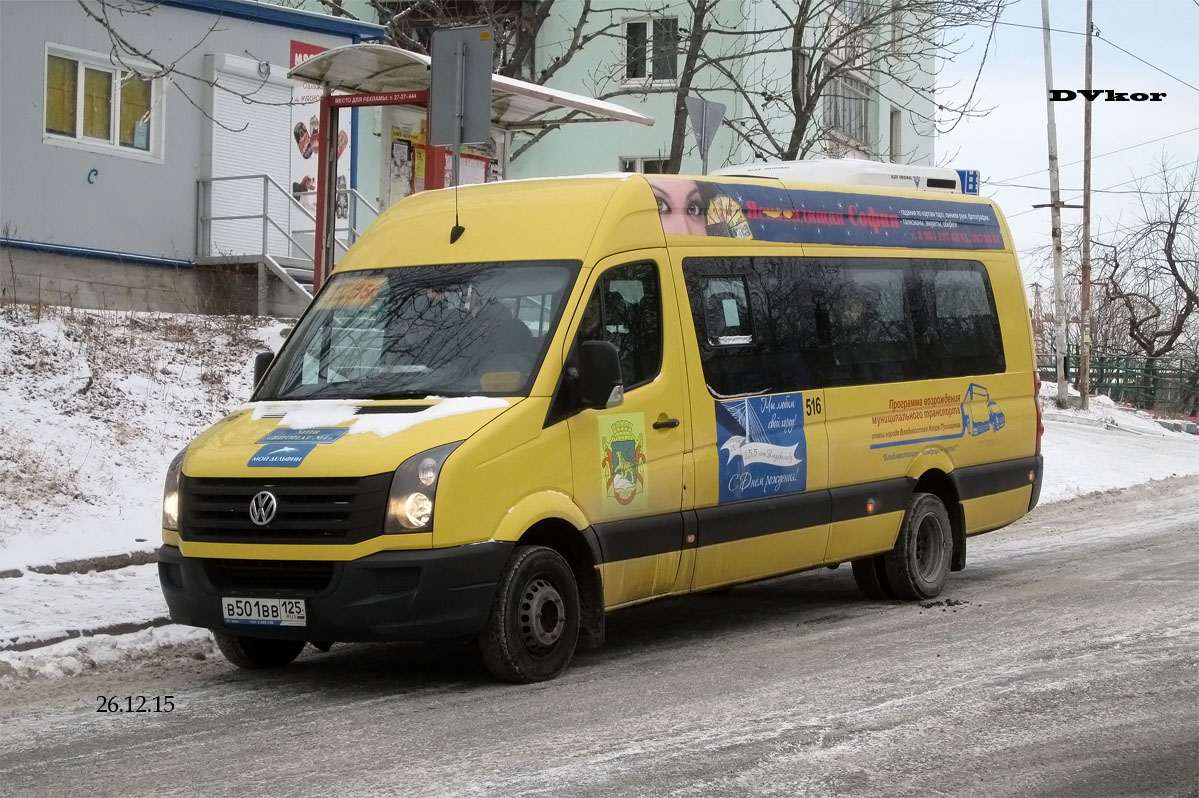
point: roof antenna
(457, 230)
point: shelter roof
(515, 104)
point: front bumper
(394, 595)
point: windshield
(407, 333)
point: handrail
(267, 260)
(365, 202)
(266, 179)
(291, 197)
(287, 235)
(351, 227)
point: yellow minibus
(609, 390)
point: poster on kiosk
(305, 146)
(408, 150)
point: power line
(1079, 190)
(1109, 41)
(1146, 63)
(1108, 189)
(1113, 152)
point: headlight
(413, 489)
(170, 494)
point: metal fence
(1149, 383)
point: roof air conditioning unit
(853, 172)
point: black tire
(870, 574)
(918, 566)
(533, 625)
(255, 653)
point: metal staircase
(251, 220)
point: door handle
(669, 423)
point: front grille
(303, 576)
(341, 510)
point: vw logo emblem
(263, 507)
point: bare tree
(1145, 293)
(1151, 272)
(806, 73)
(1151, 268)
(826, 47)
(517, 26)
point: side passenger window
(626, 309)
(726, 311)
(961, 334)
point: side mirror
(600, 383)
(261, 361)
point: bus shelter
(361, 75)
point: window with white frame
(90, 101)
(651, 50)
(847, 109)
(646, 166)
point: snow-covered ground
(94, 405)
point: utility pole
(1084, 361)
(1055, 206)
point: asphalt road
(1062, 661)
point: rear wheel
(533, 625)
(870, 574)
(256, 652)
(918, 567)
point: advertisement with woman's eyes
(697, 208)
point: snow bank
(1102, 411)
(42, 606)
(95, 404)
(1081, 460)
(74, 657)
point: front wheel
(256, 652)
(533, 625)
(918, 567)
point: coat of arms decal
(623, 441)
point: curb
(1066, 418)
(70, 634)
(108, 562)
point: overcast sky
(1012, 142)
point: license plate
(264, 612)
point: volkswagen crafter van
(610, 390)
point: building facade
(113, 166)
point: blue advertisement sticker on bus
(313, 435)
(763, 451)
(280, 455)
(798, 216)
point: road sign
(969, 180)
(460, 86)
(705, 121)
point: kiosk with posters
(382, 75)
